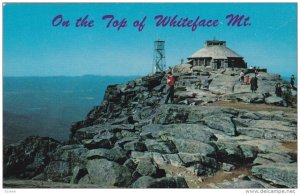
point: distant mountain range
(47, 106)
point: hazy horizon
(47, 106)
(95, 75)
(85, 75)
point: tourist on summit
(247, 80)
(191, 70)
(206, 82)
(278, 90)
(253, 84)
(241, 79)
(287, 96)
(170, 91)
(198, 83)
(293, 82)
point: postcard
(150, 95)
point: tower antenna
(159, 58)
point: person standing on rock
(198, 83)
(242, 77)
(287, 96)
(247, 80)
(292, 82)
(278, 90)
(253, 84)
(170, 91)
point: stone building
(216, 55)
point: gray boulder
(246, 96)
(144, 182)
(182, 68)
(58, 171)
(74, 154)
(201, 170)
(123, 140)
(107, 173)
(173, 159)
(274, 100)
(97, 143)
(115, 154)
(168, 114)
(135, 146)
(161, 146)
(228, 167)
(121, 127)
(242, 184)
(189, 159)
(280, 174)
(248, 115)
(147, 167)
(250, 152)
(221, 122)
(78, 173)
(224, 84)
(196, 132)
(196, 147)
(130, 164)
(230, 153)
(62, 161)
(278, 132)
(89, 132)
(170, 182)
(273, 158)
(166, 182)
(251, 132)
(85, 180)
(29, 157)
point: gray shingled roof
(216, 52)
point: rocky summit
(219, 135)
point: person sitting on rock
(278, 90)
(170, 91)
(253, 84)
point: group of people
(286, 91)
(171, 84)
(278, 87)
(247, 80)
(243, 79)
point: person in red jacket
(170, 91)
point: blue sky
(33, 47)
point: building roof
(215, 49)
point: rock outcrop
(133, 140)
(29, 157)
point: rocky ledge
(134, 140)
